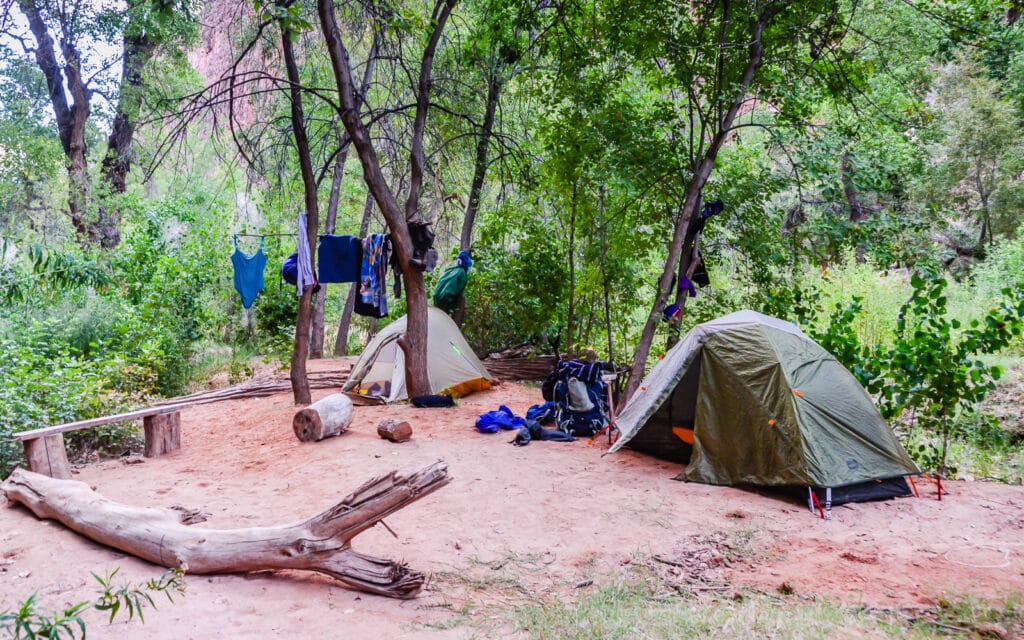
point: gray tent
(750, 399)
(452, 367)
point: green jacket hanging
(449, 287)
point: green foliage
(537, 274)
(288, 15)
(28, 623)
(275, 310)
(51, 270)
(41, 383)
(86, 337)
(931, 371)
(978, 156)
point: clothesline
(275, 235)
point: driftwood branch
(320, 544)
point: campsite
(517, 526)
(511, 318)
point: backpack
(580, 423)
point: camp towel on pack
(248, 273)
(339, 258)
(588, 372)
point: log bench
(44, 448)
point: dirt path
(571, 513)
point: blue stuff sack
(290, 269)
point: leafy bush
(42, 382)
(932, 369)
(516, 295)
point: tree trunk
(70, 118)
(300, 381)
(858, 213)
(324, 418)
(320, 544)
(316, 344)
(494, 86)
(687, 266)
(480, 165)
(332, 216)
(571, 257)
(693, 195)
(414, 342)
(138, 50)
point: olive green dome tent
(750, 399)
(452, 367)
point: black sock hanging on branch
(700, 274)
(424, 256)
(709, 210)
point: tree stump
(46, 455)
(324, 418)
(394, 430)
(163, 433)
(321, 543)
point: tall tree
(414, 342)
(721, 59)
(67, 37)
(290, 23)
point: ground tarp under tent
(452, 367)
(748, 399)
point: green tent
(750, 399)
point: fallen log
(324, 418)
(320, 544)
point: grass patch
(632, 607)
(514, 596)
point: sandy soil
(573, 514)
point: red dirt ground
(583, 515)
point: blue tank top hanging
(248, 272)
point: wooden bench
(44, 448)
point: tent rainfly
(452, 367)
(749, 399)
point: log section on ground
(321, 543)
(324, 418)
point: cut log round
(320, 544)
(324, 418)
(163, 433)
(394, 430)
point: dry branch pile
(528, 368)
(260, 387)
